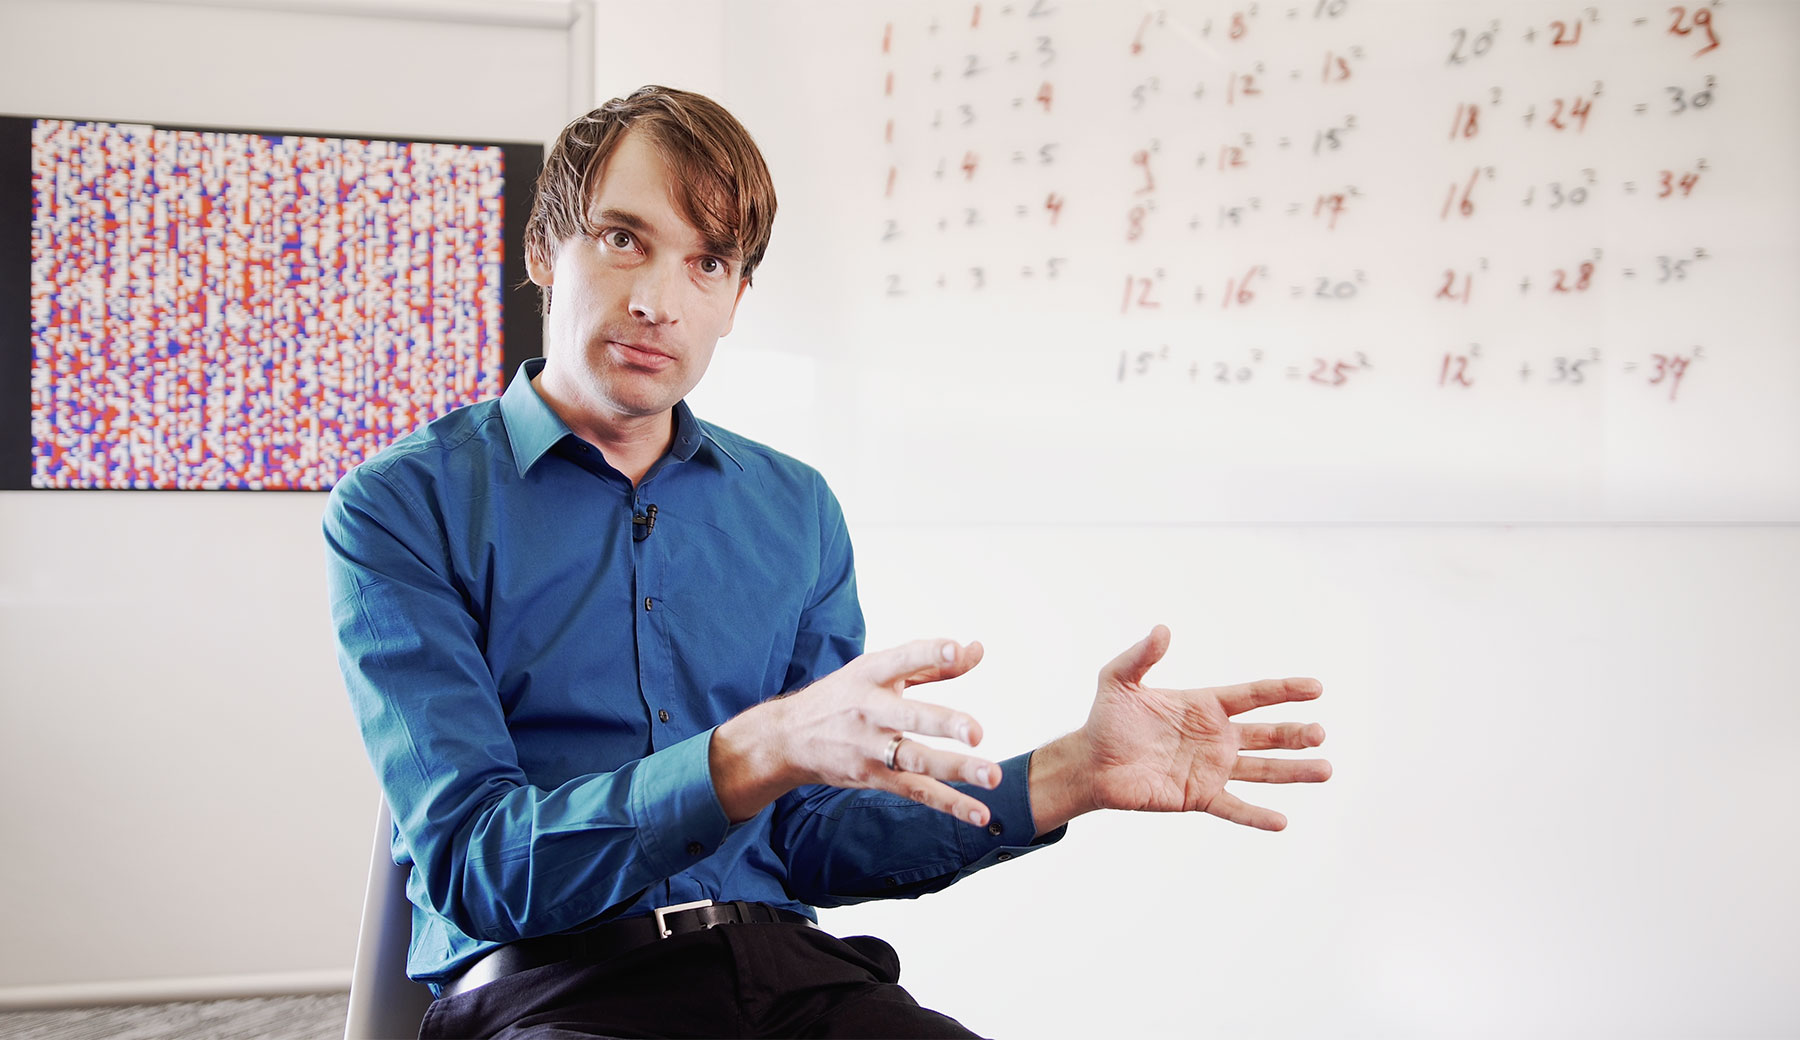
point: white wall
(1562, 804)
(1563, 795)
(191, 807)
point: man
(607, 661)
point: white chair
(384, 1003)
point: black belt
(612, 939)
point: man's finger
(931, 720)
(967, 656)
(1281, 770)
(1264, 692)
(1266, 736)
(933, 794)
(949, 766)
(922, 660)
(1129, 667)
(1227, 807)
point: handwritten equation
(1322, 193)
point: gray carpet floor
(316, 1017)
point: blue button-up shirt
(537, 688)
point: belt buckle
(660, 912)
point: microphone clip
(643, 523)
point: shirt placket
(655, 669)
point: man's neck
(630, 444)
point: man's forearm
(1059, 788)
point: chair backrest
(384, 1003)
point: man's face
(636, 310)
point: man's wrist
(1058, 782)
(748, 769)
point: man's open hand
(1162, 750)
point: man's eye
(711, 265)
(618, 239)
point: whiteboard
(1351, 260)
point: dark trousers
(742, 980)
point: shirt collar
(689, 433)
(533, 428)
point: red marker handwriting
(1467, 207)
(1701, 19)
(1141, 287)
(1449, 291)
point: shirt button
(646, 602)
(889, 882)
(663, 714)
(695, 848)
(994, 828)
(1003, 857)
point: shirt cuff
(1009, 832)
(675, 808)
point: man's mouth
(639, 355)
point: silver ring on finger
(892, 758)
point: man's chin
(629, 392)
(640, 401)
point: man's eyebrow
(727, 251)
(624, 218)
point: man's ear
(731, 319)
(542, 272)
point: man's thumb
(1130, 666)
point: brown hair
(724, 188)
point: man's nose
(656, 294)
